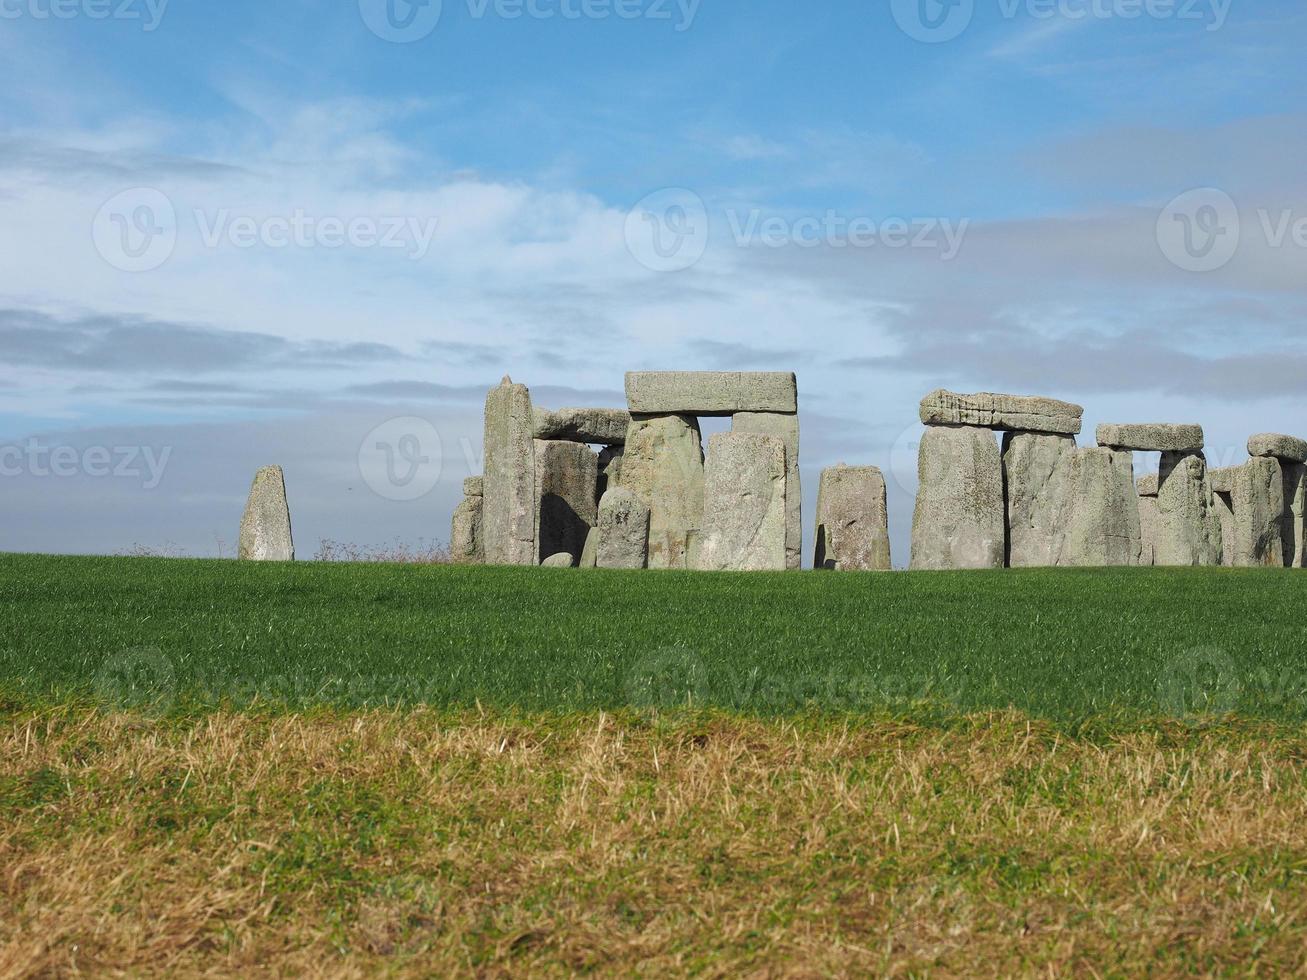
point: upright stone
(744, 504)
(265, 527)
(1294, 525)
(623, 533)
(852, 520)
(663, 465)
(785, 428)
(610, 469)
(565, 478)
(958, 520)
(1035, 467)
(1148, 530)
(508, 519)
(1188, 526)
(1258, 504)
(465, 543)
(1223, 505)
(1101, 522)
(590, 553)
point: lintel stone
(1015, 413)
(1279, 446)
(711, 393)
(599, 426)
(1154, 437)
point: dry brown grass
(433, 843)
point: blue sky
(1038, 159)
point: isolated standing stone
(663, 465)
(1035, 467)
(465, 530)
(1188, 527)
(623, 532)
(1004, 412)
(565, 478)
(958, 520)
(1100, 526)
(598, 426)
(508, 518)
(1258, 504)
(711, 392)
(265, 527)
(852, 520)
(1152, 437)
(785, 428)
(744, 504)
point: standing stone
(1294, 525)
(744, 504)
(852, 520)
(590, 553)
(1188, 527)
(958, 520)
(465, 543)
(663, 465)
(1148, 530)
(508, 517)
(610, 469)
(623, 532)
(265, 527)
(565, 478)
(1258, 505)
(1223, 504)
(785, 428)
(1100, 526)
(1035, 467)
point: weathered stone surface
(623, 530)
(1281, 447)
(600, 426)
(560, 560)
(1293, 527)
(474, 486)
(465, 531)
(265, 527)
(1147, 529)
(1035, 468)
(590, 553)
(1147, 485)
(663, 465)
(1188, 526)
(1152, 437)
(785, 428)
(852, 520)
(744, 504)
(711, 392)
(1222, 479)
(1224, 508)
(1100, 523)
(508, 518)
(1006, 412)
(1258, 504)
(610, 469)
(565, 478)
(959, 515)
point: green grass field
(318, 769)
(1071, 646)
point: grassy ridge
(1061, 644)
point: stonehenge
(265, 527)
(634, 488)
